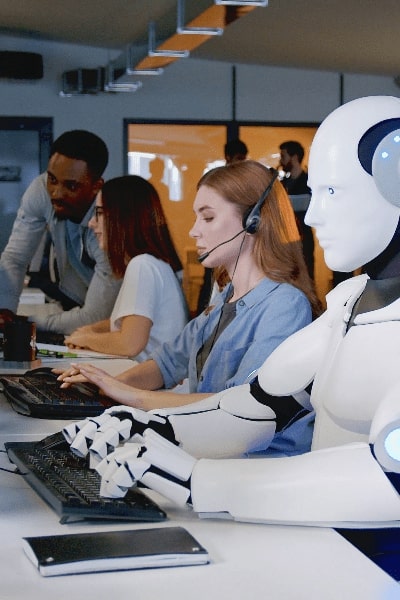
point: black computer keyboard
(50, 337)
(66, 483)
(37, 393)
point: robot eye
(331, 191)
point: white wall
(188, 89)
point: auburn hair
(135, 223)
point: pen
(56, 354)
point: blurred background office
(220, 90)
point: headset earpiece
(252, 217)
(379, 155)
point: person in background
(157, 167)
(131, 228)
(268, 295)
(295, 183)
(61, 201)
(235, 150)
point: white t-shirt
(151, 289)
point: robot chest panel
(363, 365)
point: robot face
(354, 223)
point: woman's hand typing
(107, 384)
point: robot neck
(387, 264)
(377, 294)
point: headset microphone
(206, 254)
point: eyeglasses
(98, 212)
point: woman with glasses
(131, 228)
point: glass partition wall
(24, 153)
(173, 156)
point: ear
(379, 155)
(386, 167)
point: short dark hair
(83, 145)
(236, 148)
(293, 148)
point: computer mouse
(41, 371)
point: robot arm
(226, 424)
(229, 424)
(336, 486)
(352, 485)
(235, 422)
(331, 487)
(246, 418)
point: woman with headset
(244, 227)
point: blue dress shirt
(265, 316)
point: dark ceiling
(335, 35)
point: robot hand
(156, 463)
(230, 423)
(103, 434)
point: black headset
(252, 217)
(379, 155)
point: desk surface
(274, 562)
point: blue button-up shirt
(265, 317)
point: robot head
(354, 175)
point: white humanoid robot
(350, 356)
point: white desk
(248, 560)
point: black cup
(19, 342)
